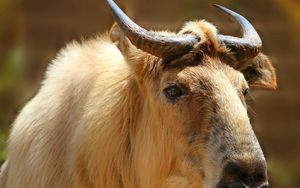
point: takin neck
(123, 139)
(124, 144)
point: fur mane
(116, 131)
(98, 120)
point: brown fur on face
(102, 117)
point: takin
(135, 108)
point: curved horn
(167, 47)
(249, 45)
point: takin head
(198, 80)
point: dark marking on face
(222, 148)
(218, 130)
(191, 59)
(252, 174)
(192, 137)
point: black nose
(241, 174)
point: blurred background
(32, 32)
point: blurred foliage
(283, 174)
(12, 58)
(9, 3)
(3, 137)
(292, 9)
(12, 69)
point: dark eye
(245, 91)
(173, 92)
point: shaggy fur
(100, 118)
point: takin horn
(166, 47)
(171, 47)
(246, 47)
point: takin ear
(118, 37)
(260, 72)
(137, 59)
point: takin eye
(173, 92)
(245, 91)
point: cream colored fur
(76, 131)
(93, 123)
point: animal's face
(205, 105)
(195, 83)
